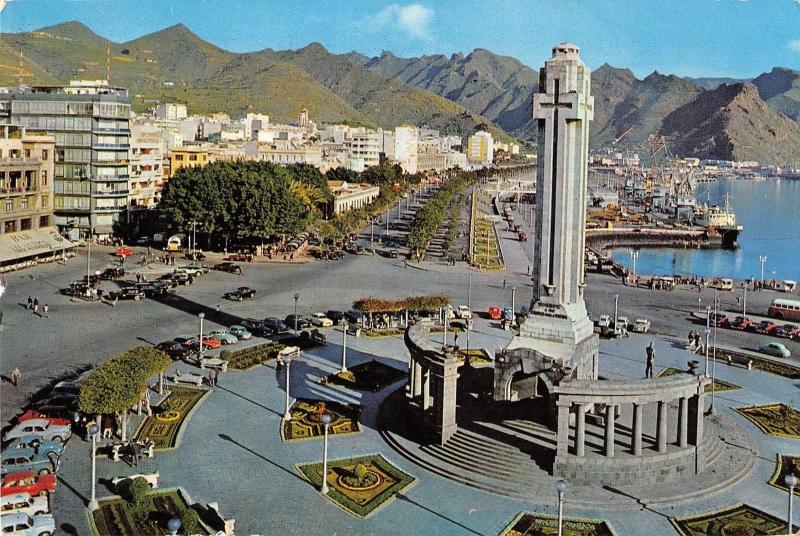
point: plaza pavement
(231, 452)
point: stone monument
(556, 337)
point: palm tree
(310, 196)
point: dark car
(184, 341)
(112, 273)
(230, 267)
(765, 326)
(196, 256)
(182, 278)
(240, 294)
(784, 330)
(336, 316)
(63, 400)
(302, 322)
(240, 257)
(354, 317)
(256, 327)
(128, 293)
(152, 289)
(740, 323)
(275, 326)
(175, 349)
(393, 254)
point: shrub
(136, 491)
(190, 521)
(360, 470)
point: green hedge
(250, 357)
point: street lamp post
(561, 487)
(712, 410)
(762, 259)
(174, 525)
(513, 299)
(201, 316)
(326, 421)
(469, 308)
(791, 481)
(93, 429)
(616, 310)
(372, 234)
(296, 297)
(634, 255)
(287, 415)
(344, 347)
(744, 300)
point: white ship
(719, 221)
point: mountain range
(754, 119)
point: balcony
(98, 130)
(106, 210)
(20, 162)
(110, 193)
(19, 190)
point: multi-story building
(26, 199)
(90, 123)
(188, 156)
(405, 148)
(146, 161)
(173, 112)
(365, 146)
(347, 196)
(480, 148)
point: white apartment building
(365, 146)
(146, 156)
(405, 148)
(480, 148)
(173, 112)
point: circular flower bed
(168, 416)
(350, 481)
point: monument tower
(557, 332)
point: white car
(463, 312)
(57, 433)
(775, 348)
(642, 325)
(23, 503)
(320, 320)
(604, 322)
(17, 523)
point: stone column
(610, 422)
(661, 427)
(636, 440)
(580, 429)
(562, 443)
(446, 386)
(417, 388)
(426, 389)
(683, 422)
(695, 421)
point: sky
(733, 38)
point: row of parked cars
(32, 449)
(763, 327)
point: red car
(123, 251)
(740, 323)
(29, 482)
(32, 414)
(495, 313)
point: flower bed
(247, 358)
(386, 332)
(117, 517)
(528, 524)
(786, 464)
(717, 385)
(163, 426)
(363, 496)
(779, 420)
(738, 519)
(306, 423)
(370, 376)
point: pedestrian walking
(504, 283)
(30, 303)
(1, 318)
(15, 376)
(651, 357)
(455, 339)
(35, 304)
(215, 376)
(46, 311)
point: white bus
(785, 309)
(175, 242)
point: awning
(25, 244)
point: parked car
(256, 327)
(208, 344)
(42, 427)
(393, 254)
(223, 336)
(112, 273)
(240, 294)
(195, 256)
(240, 257)
(354, 317)
(740, 323)
(302, 322)
(35, 442)
(38, 414)
(765, 326)
(128, 293)
(152, 289)
(181, 278)
(784, 330)
(67, 400)
(320, 320)
(495, 313)
(230, 267)
(193, 270)
(508, 314)
(276, 326)
(241, 333)
(185, 340)
(335, 316)
(777, 349)
(23, 502)
(175, 349)
(641, 325)
(66, 387)
(123, 251)
(19, 524)
(28, 460)
(794, 334)
(29, 482)
(463, 312)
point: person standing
(15, 376)
(215, 376)
(30, 303)
(651, 357)
(46, 311)
(35, 305)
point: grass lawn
(361, 498)
(115, 517)
(168, 417)
(370, 376)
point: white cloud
(413, 19)
(795, 45)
